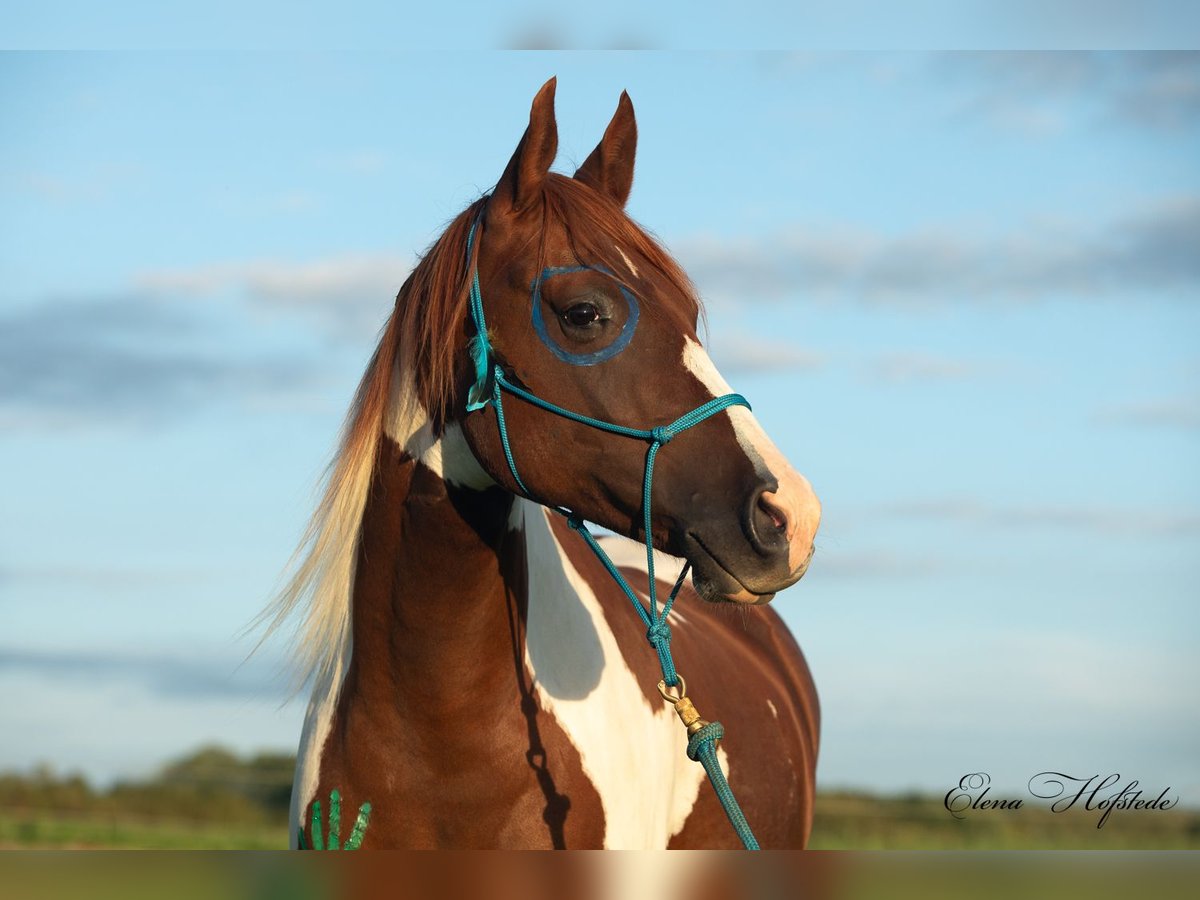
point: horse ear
(522, 179)
(610, 167)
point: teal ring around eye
(583, 359)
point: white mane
(322, 570)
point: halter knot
(659, 634)
(705, 741)
(574, 522)
(662, 434)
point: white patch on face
(632, 268)
(317, 722)
(750, 435)
(794, 495)
(633, 753)
(771, 707)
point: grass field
(863, 822)
(43, 830)
(843, 822)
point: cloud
(126, 358)
(1151, 250)
(537, 35)
(1098, 520)
(180, 676)
(543, 27)
(1180, 412)
(902, 367)
(98, 183)
(349, 297)
(100, 578)
(1166, 96)
(1039, 91)
(746, 354)
(356, 162)
(873, 564)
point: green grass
(43, 829)
(845, 821)
(842, 822)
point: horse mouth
(717, 583)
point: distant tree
(209, 784)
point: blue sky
(960, 290)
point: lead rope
(702, 735)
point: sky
(959, 289)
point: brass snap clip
(677, 697)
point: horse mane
(420, 345)
(321, 579)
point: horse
(478, 680)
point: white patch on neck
(407, 423)
(633, 753)
(451, 459)
(632, 268)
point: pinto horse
(479, 679)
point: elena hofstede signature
(1101, 794)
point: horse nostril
(777, 516)
(768, 522)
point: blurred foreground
(698, 875)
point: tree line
(211, 784)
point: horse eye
(581, 315)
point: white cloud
(1096, 519)
(1148, 250)
(872, 564)
(1171, 412)
(901, 367)
(745, 353)
(1044, 91)
(127, 359)
(357, 162)
(349, 296)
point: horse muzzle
(769, 549)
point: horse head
(587, 312)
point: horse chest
(632, 753)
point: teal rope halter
(489, 387)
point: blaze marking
(794, 494)
(750, 435)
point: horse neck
(438, 597)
